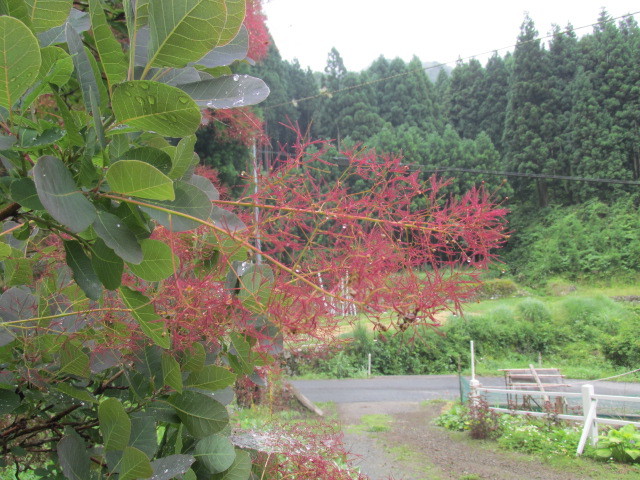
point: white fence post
(589, 406)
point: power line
(344, 161)
(295, 102)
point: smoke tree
(133, 295)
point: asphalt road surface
(416, 388)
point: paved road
(416, 388)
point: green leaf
(182, 31)
(74, 361)
(73, 456)
(228, 91)
(171, 467)
(18, 271)
(189, 201)
(182, 157)
(144, 313)
(5, 250)
(111, 55)
(171, 373)
(206, 186)
(76, 393)
(236, 49)
(56, 67)
(201, 414)
(73, 132)
(143, 433)
(158, 261)
(115, 424)
(153, 156)
(107, 265)
(46, 14)
(239, 470)
(211, 377)
(19, 60)
(154, 106)
(23, 191)
(9, 401)
(215, 452)
(7, 141)
(80, 22)
(82, 269)
(134, 465)
(139, 179)
(17, 9)
(117, 236)
(242, 360)
(60, 195)
(194, 358)
(84, 70)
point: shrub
(497, 288)
(534, 311)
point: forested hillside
(560, 107)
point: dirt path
(415, 449)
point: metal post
(369, 366)
(256, 210)
(473, 362)
(473, 384)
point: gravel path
(415, 449)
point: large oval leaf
(236, 49)
(115, 424)
(134, 465)
(73, 456)
(139, 179)
(19, 60)
(170, 467)
(215, 452)
(46, 14)
(157, 107)
(182, 31)
(60, 196)
(157, 262)
(189, 201)
(201, 414)
(210, 377)
(228, 91)
(143, 312)
(107, 265)
(83, 272)
(117, 236)
(239, 470)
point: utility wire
(295, 102)
(344, 161)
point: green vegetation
(585, 336)
(555, 441)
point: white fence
(589, 417)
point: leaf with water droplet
(172, 114)
(227, 91)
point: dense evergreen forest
(562, 107)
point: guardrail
(589, 418)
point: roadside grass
(375, 422)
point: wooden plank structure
(535, 379)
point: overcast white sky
(442, 31)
